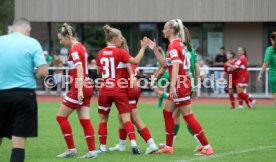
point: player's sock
(122, 133)
(176, 129)
(131, 133)
(102, 132)
(169, 125)
(122, 136)
(165, 95)
(89, 133)
(160, 102)
(66, 131)
(17, 155)
(145, 134)
(192, 133)
(232, 100)
(240, 100)
(196, 128)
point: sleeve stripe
(179, 61)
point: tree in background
(6, 15)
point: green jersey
(270, 58)
(191, 56)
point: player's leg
(84, 117)
(274, 97)
(240, 91)
(125, 116)
(176, 117)
(193, 123)
(169, 127)
(62, 119)
(231, 97)
(122, 137)
(104, 104)
(144, 131)
(122, 105)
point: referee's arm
(42, 71)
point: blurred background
(212, 23)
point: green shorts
(272, 81)
(163, 81)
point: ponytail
(188, 42)
(181, 30)
(124, 45)
(67, 30)
(178, 27)
(111, 33)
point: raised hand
(152, 44)
(144, 42)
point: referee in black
(19, 55)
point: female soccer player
(112, 66)
(194, 73)
(79, 95)
(180, 87)
(270, 60)
(230, 75)
(133, 93)
(242, 79)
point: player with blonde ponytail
(78, 97)
(180, 86)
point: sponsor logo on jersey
(173, 53)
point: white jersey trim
(182, 99)
(72, 100)
(132, 102)
(121, 65)
(103, 108)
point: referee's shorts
(18, 113)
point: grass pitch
(236, 135)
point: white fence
(262, 89)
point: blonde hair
(66, 29)
(111, 33)
(178, 27)
(124, 44)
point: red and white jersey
(229, 70)
(112, 62)
(77, 56)
(241, 65)
(176, 53)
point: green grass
(227, 131)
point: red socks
(89, 133)
(145, 134)
(196, 128)
(130, 130)
(246, 98)
(169, 125)
(240, 98)
(122, 134)
(232, 100)
(66, 131)
(102, 131)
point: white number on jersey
(186, 63)
(108, 70)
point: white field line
(229, 153)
